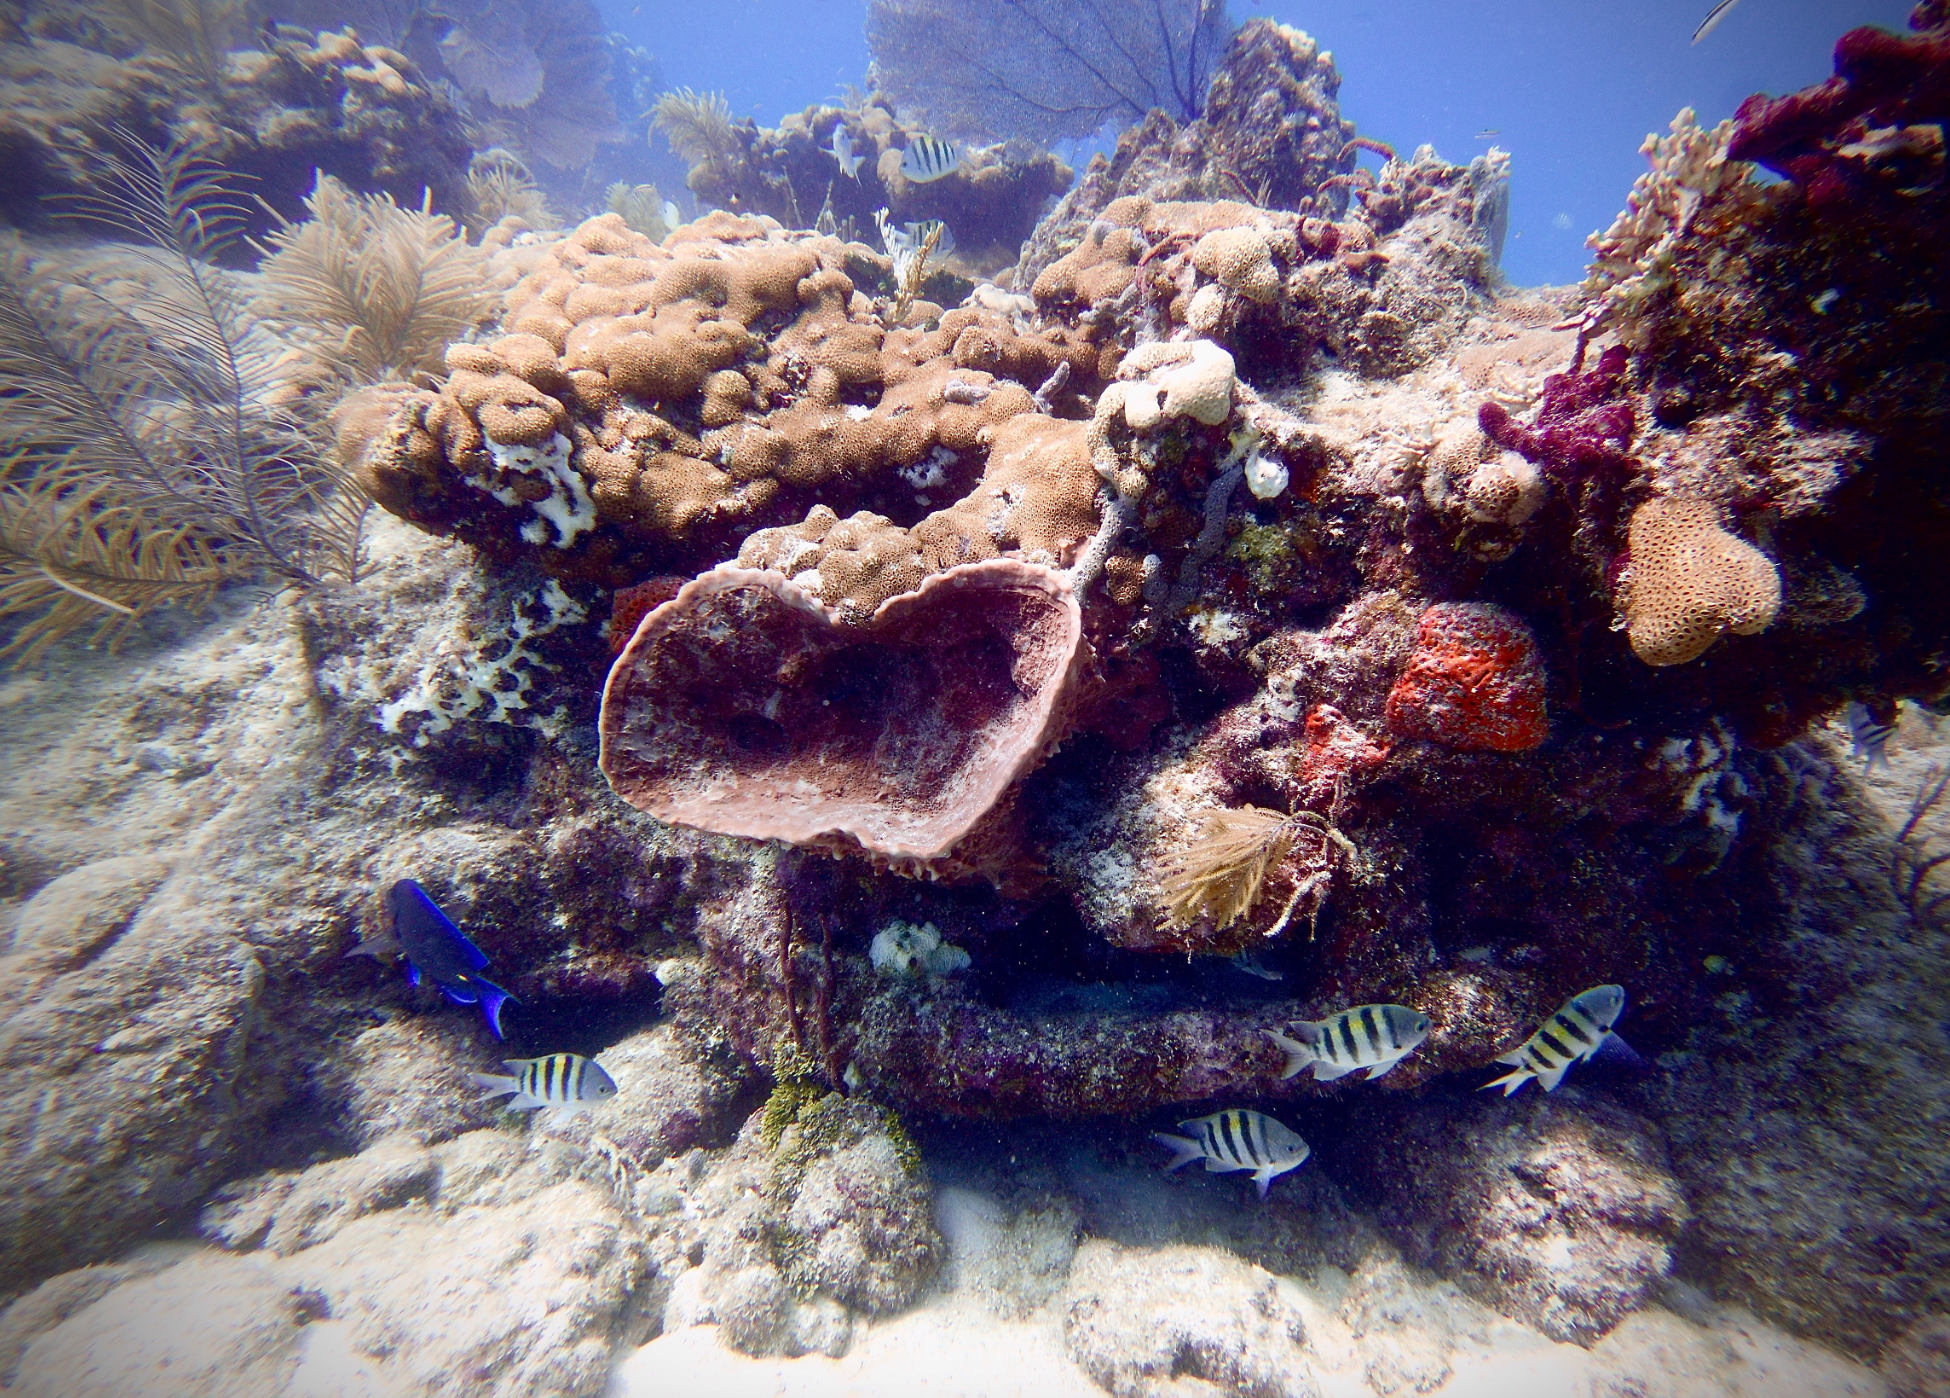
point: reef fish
(435, 949)
(1375, 1037)
(1713, 18)
(1237, 1140)
(1867, 739)
(566, 1081)
(842, 151)
(1253, 966)
(917, 236)
(1578, 1030)
(929, 158)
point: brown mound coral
(1692, 582)
(746, 707)
(701, 389)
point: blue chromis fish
(1236, 1139)
(565, 1081)
(1867, 738)
(929, 158)
(842, 151)
(1577, 1030)
(435, 950)
(1375, 1037)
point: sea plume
(375, 291)
(142, 464)
(697, 124)
(1223, 873)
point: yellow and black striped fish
(1375, 1037)
(1236, 1139)
(1578, 1029)
(562, 1080)
(929, 158)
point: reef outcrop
(363, 113)
(991, 202)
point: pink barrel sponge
(1474, 681)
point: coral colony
(878, 649)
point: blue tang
(435, 950)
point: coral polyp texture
(1692, 582)
(744, 706)
(649, 406)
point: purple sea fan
(1582, 429)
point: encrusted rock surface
(1141, 1322)
(1558, 1209)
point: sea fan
(376, 291)
(1223, 874)
(141, 463)
(697, 124)
(197, 34)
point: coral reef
(990, 202)
(1271, 134)
(1498, 680)
(1561, 1211)
(363, 114)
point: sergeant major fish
(1577, 1030)
(1375, 1037)
(1236, 1139)
(842, 151)
(565, 1081)
(1867, 739)
(929, 158)
(434, 948)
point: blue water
(1570, 86)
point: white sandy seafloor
(1422, 1337)
(494, 1258)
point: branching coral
(143, 465)
(1690, 169)
(376, 291)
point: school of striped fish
(1376, 1038)
(1369, 1039)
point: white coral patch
(567, 505)
(461, 682)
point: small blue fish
(1713, 18)
(842, 151)
(1868, 739)
(929, 158)
(435, 949)
(1236, 1139)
